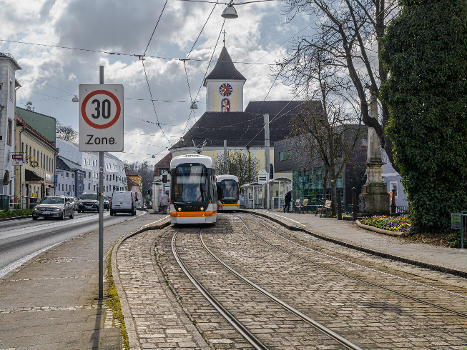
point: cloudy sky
(50, 75)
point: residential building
(309, 174)
(35, 177)
(8, 87)
(69, 178)
(87, 176)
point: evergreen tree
(425, 52)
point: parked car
(88, 202)
(53, 207)
(122, 202)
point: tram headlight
(179, 209)
(202, 208)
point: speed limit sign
(101, 117)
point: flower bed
(391, 223)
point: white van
(122, 202)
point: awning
(32, 176)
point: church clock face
(225, 89)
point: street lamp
(229, 12)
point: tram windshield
(190, 183)
(228, 190)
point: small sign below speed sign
(101, 117)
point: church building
(225, 119)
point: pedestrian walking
(164, 202)
(288, 199)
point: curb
(347, 244)
(16, 218)
(129, 324)
(379, 230)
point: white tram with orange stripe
(193, 195)
(227, 193)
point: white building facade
(114, 170)
(8, 86)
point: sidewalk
(449, 260)
(51, 302)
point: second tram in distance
(227, 193)
(193, 192)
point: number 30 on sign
(101, 117)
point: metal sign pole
(101, 209)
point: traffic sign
(101, 118)
(17, 159)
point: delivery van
(122, 202)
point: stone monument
(374, 199)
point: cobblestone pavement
(375, 303)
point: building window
(12, 90)
(394, 189)
(9, 137)
(89, 186)
(67, 174)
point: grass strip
(113, 302)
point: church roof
(224, 69)
(242, 129)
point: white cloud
(50, 76)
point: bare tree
(66, 133)
(240, 165)
(328, 132)
(348, 34)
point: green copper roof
(44, 124)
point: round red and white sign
(100, 109)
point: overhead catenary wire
(155, 27)
(205, 74)
(128, 54)
(152, 101)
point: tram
(227, 193)
(193, 192)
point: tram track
(357, 279)
(333, 340)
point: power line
(154, 30)
(205, 74)
(117, 53)
(152, 101)
(199, 34)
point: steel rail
(218, 306)
(286, 306)
(356, 278)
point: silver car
(54, 207)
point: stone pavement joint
(349, 235)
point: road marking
(18, 231)
(14, 265)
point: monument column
(374, 199)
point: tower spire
(224, 37)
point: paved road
(51, 302)
(372, 302)
(21, 239)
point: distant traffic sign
(101, 117)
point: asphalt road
(22, 239)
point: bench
(324, 209)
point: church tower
(224, 86)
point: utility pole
(266, 156)
(101, 209)
(225, 156)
